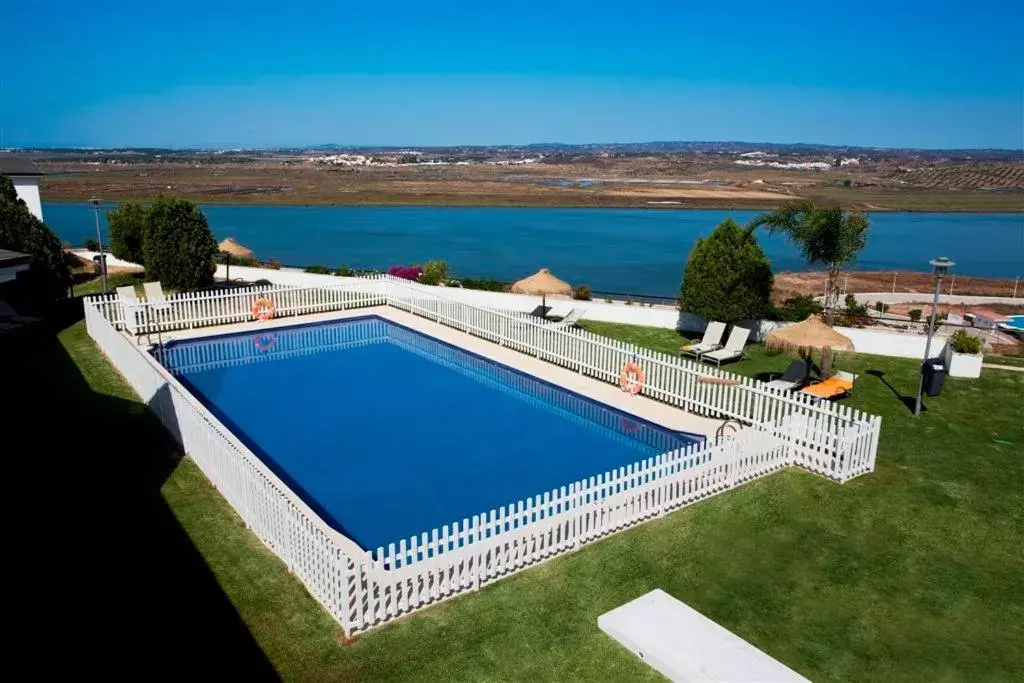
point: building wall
(27, 188)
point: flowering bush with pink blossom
(406, 272)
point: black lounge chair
(795, 377)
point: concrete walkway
(994, 366)
(925, 297)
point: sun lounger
(795, 376)
(540, 312)
(155, 295)
(733, 347)
(127, 295)
(712, 341)
(569, 320)
(836, 386)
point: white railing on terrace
(363, 589)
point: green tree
(434, 272)
(127, 231)
(48, 277)
(728, 277)
(826, 236)
(178, 247)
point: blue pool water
(388, 433)
(1016, 322)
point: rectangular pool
(387, 433)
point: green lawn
(914, 572)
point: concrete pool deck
(609, 394)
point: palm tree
(826, 236)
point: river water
(622, 250)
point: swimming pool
(387, 433)
(1015, 322)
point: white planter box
(965, 364)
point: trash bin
(934, 376)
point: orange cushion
(833, 386)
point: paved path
(910, 297)
(994, 366)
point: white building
(25, 175)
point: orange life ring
(263, 308)
(632, 378)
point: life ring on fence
(632, 378)
(265, 342)
(263, 308)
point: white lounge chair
(712, 341)
(155, 294)
(569, 320)
(127, 295)
(733, 347)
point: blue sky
(231, 73)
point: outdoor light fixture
(99, 240)
(941, 266)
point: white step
(684, 645)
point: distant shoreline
(529, 203)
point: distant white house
(25, 176)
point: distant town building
(25, 176)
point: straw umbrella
(541, 284)
(806, 337)
(229, 248)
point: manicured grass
(114, 280)
(1015, 361)
(913, 572)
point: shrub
(272, 264)
(629, 301)
(406, 272)
(915, 314)
(178, 246)
(127, 231)
(881, 307)
(797, 308)
(93, 245)
(728, 277)
(345, 271)
(434, 272)
(854, 309)
(962, 342)
(318, 270)
(48, 276)
(485, 285)
(582, 293)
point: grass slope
(911, 573)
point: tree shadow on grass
(132, 591)
(908, 401)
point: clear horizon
(189, 74)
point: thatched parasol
(229, 248)
(806, 337)
(541, 284)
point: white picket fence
(364, 589)
(188, 310)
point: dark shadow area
(908, 401)
(111, 581)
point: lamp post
(941, 265)
(99, 240)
